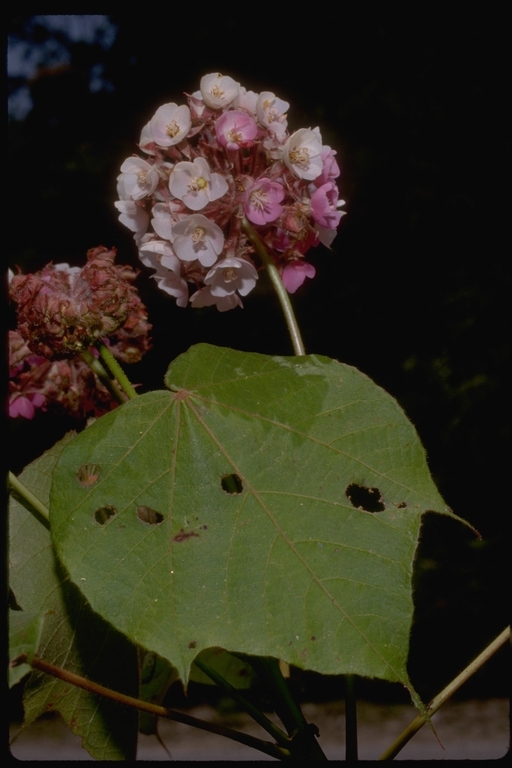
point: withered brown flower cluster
(62, 312)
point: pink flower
(294, 274)
(330, 170)
(25, 405)
(236, 129)
(323, 206)
(262, 201)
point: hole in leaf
(149, 516)
(231, 484)
(88, 474)
(103, 514)
(362, 497)
(183, 535)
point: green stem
(445, 694)
(304, 735)
(29, 497)
(281, 738)
(114, 367)
(282, 293)
(96, 367)
(291, 713)
(81, 682)
(350, 718)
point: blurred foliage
(415, 290)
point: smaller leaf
(236, 672)
(156, 677)
(25, 629)
(73, 635)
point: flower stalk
(116, 370)
(282, 294)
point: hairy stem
(282, 293)
(445, 694)
(81, 682)
(116, 370)
(29, 497)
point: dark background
(414, 292)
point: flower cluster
(225, 158)
(38, 383)
(62, 311)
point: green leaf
(239, 674)
(156, 676)
(232, 511)
(73, 636)
(24, 635)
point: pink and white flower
(157, 254)
(147, 142)
(302, 153)
(196, 237)
(225, 159)
(205, 298)
(195, 185)
(218, 91)
(246, 100)
(230, 275)
(139, 178)
(271, 113)
(165, 216)
(170, 125)
(133, 216)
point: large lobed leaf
(266, 505)
(72, 635)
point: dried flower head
(63, 310)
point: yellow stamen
(172, 129)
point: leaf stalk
(36, 504)
(81, 682)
